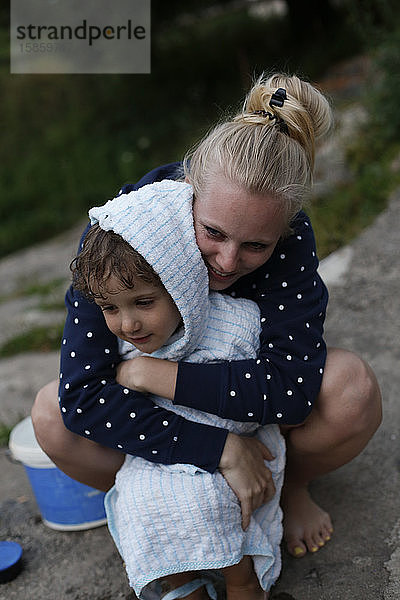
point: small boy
(141, 264)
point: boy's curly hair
(105, 254)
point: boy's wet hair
(105, 254)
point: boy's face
(145, 315)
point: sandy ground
(362, 562)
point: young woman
(250, 176)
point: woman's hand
(148, 375)
(242, 465)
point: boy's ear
(187, 179)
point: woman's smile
(236, 230)
(217, 273)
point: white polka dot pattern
(289, 294)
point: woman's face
(236, 231)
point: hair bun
(268, 148)
(304, 109)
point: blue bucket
(65, 504)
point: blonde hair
(266, 149)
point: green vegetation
(374, 155)
(33, 288)
(70, 141)
(4, 434)
(40, 289)
(38, 339)
(340, 215)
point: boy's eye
(146, 302)
(108, 308)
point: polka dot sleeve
(281, 385)
(95, 406)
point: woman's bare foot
(306, 527)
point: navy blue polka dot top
(279, 386)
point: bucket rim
(29, 453)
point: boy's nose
(130, 325)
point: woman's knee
(45, 407)
(350, 395)
(46, 418)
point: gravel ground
(362, 562)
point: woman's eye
(256, 246)
(212, 232)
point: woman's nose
(227, 258)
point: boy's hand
(129, 374)
(148, 375)
(242, 465)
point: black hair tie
(278, 98)
(280, 122)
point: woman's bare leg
(242, 582)
(346, 415)
(81, 459)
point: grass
(70, 141)
(38, 339)
(342, 214)
(41, 289)
(5, 431)
(50, 294)
(33, 288)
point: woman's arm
(95, 406)
(243, 466)
(149, 375)
(281, 385)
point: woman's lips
(219, 275)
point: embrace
(195, 384)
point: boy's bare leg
(242, 582)
(81, 459)
(177, 580)
(346, 415)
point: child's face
(145, 315)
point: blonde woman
(250, 177)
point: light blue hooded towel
(173, 518)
